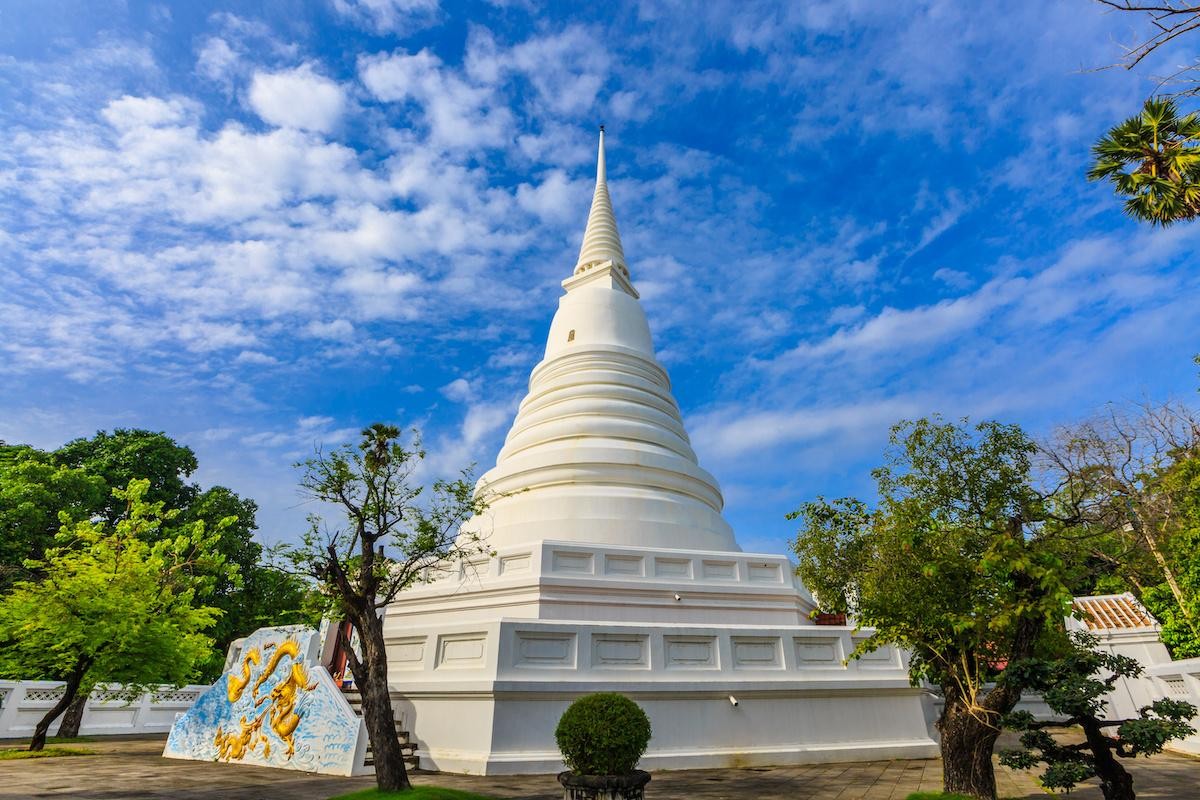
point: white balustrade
(109, 710)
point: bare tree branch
(1168, 21)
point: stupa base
(485, 698)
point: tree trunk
(371, 676)
(72, 717)
(970, 725)
(69, 691)
(967, 743)
(1115, 782)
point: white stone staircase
(407, 747)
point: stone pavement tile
(134, 770)
(851, 793)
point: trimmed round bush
(603, 734)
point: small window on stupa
(571, 336)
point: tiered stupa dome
(598, 452)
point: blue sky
(259, 226)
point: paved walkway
(132, 769)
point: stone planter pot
(604, 787)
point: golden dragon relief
(281, 714)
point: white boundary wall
(1180, 680)
(24, 703)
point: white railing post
(10, 698)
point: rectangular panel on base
(814, 652)
(757, 652)
(673, 567)
(515, 563)
(720, 570)
(545, 649)
(407, 652)
(570, 561)
(690, 652)
(624, 565)
(461, 650)
(620, 651)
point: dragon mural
(274, 706)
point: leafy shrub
(603, 734)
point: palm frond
(1153, 160)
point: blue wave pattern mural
(275, 706)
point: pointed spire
(601, 242)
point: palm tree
(1153, 159)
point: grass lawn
(12, 754)
(415, 793)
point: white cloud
(298, 98)
(473, 442)
(458, 113)
(844, 314)
(1099, 274)
(256, 358)
(339, 330)
(459, 390)
(947, 217)
(953, 278)
(568, 69)
(130, 113)
(388, 16)
(556, 199)
(737, 432)
(216, 59)
(562, 145)
(308, 434)
(510, 357)
(858, 271)
(381, 293)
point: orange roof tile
(1114, 612)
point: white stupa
(613, 570)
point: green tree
(958, 563)
(130, 453)
(395, 535)
(1136, 470)
(79, 478)
(1180, 617)
(1153, 160)
(261, 595)
(1075, 685)
(117, 604)
(33, 492)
